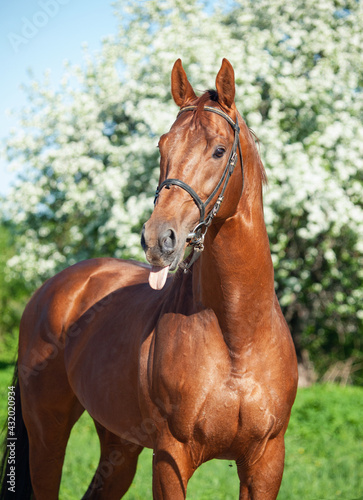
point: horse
(196, 364)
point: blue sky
(41, 35)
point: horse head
(198, 156)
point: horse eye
(219, 152)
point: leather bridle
(196, 237)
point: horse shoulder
(104, 354)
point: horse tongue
(157, 277)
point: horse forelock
(209, 95)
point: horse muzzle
(162, 246)
(163, 249)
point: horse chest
(192, 382)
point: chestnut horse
(197, 365)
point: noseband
(196, 237)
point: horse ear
(225, 84)
(181, 89)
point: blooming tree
(88, 163)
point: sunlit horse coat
(202, 367)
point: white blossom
(87, 153)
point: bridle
(196, 237)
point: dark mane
(262, 168)
(209, 95)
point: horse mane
(264, 178)
(212, 95)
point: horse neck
(234, 275)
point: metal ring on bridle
(196, 237)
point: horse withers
(195, 365)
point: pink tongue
(157, 277)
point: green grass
(324, 452)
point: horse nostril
(168, 241)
